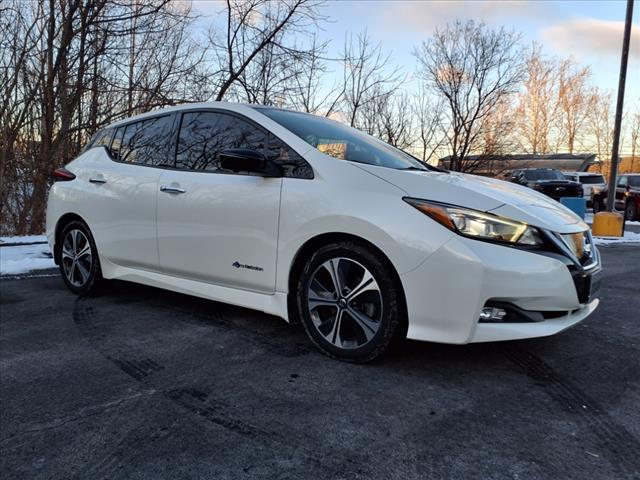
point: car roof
(538, 168)
(230, 106)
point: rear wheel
(79, 264)
(350, 304)
(630, 211)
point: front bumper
(447, 292)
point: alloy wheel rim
(76, 258)
(345, 303)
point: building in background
(501, 165)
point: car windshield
(634, 181)
(543, 175)
(591, 179)
(343, 142)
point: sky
(588, 31)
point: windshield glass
(592, 179)
(634, 181)
(543, 175)
(343, 142)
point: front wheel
(350, 302)
(79, 263)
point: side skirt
(273, 304)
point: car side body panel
(112, 198)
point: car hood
(482, 193)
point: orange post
(607, 224)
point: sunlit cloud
(425, 16)
(589, 37)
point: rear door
(123, 190)
(214, 225)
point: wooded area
(69, 67)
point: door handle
(97, 180)
(170, 189)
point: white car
(313, 221)
(592, 183)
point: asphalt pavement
(142, 383)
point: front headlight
(479, 225)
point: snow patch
(629, 237)
(23, 239)
(19, 259)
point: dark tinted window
(143, 142)
(543, 175)
(341, 141)
(591, 179)
(203, 135)
(293, 164)
(116, 144)
(634, 180)
(101, 137)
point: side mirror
(247, 160)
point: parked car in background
(548, 181)
(592, 183)
(316, 222)
(627, 196)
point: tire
(82, 275)
(366, 318)
(630, 211)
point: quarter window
(293, 164)
(144, 142)
(204, 135)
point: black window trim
(268, 134)
(172, 117)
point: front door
(214, 225)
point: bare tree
(634, 138)
(367, 75)
(310, 94)
(254, 29)
(599, 121)
(472, 67)
(427, 112)
(389, 118)
(63, 78)
(537, 105)
(574, 98)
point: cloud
(590, 36)
(425, 16)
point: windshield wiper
(419, 169)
